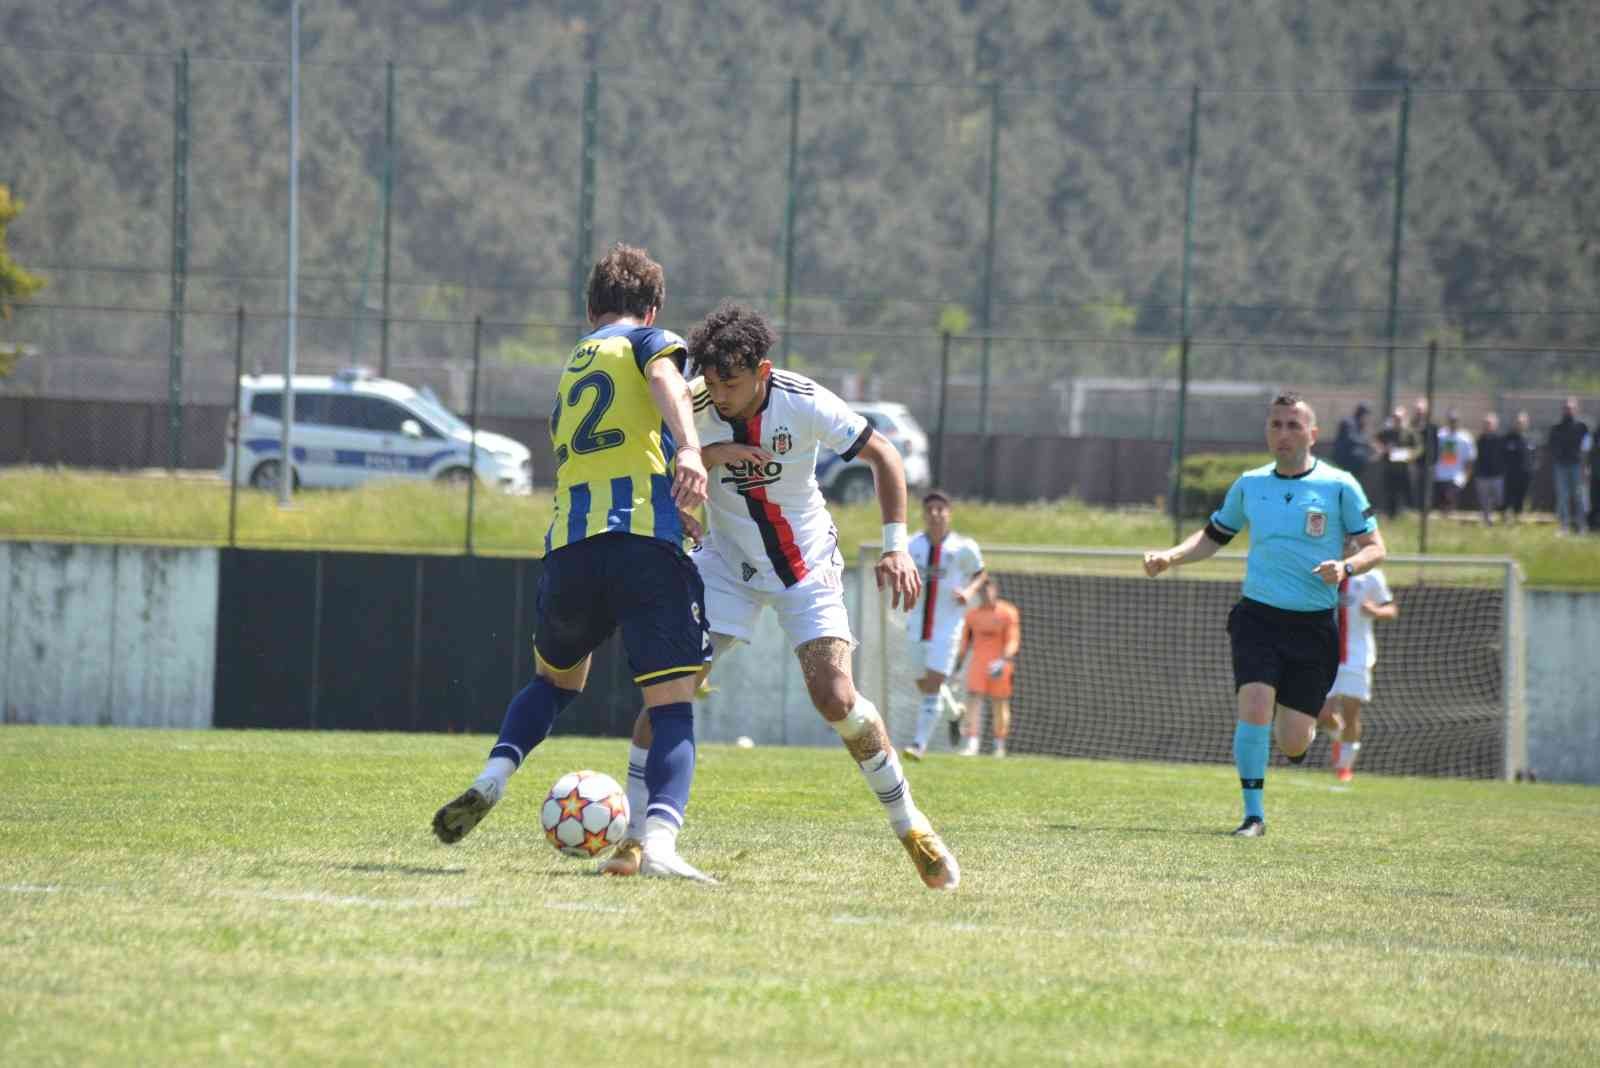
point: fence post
(585, 235)
(1429, 449)
(388, 205)
(788, 212)
(1180, 427)
(1394, 246)
(233, 426)
(985, 310)
(472, 450)
(944, 394)
(180, 258)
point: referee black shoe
(1252, 827)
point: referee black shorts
(1296, 653)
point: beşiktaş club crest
(782, 441)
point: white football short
(936, 654)
(1352, 681)
(812, 608)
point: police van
(851, 482)
(351, 426)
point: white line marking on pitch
(24, 888)
(315, 898)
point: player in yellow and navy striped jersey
(627, 458)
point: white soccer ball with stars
(584, 814)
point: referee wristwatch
(1349, 569)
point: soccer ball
(584, 814)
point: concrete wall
(1563, 633)
(119, 635)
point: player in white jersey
(951, 566)
(1363, 600)
(769, 541)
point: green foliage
(953, 320)
(1207, 476)
(15, 282)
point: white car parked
(850, 483)
(352, 426)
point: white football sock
(1347, 754)
(638, 793)
(660, 836)
(927, 716)
(492, 782)
(948, 702)
(888, 781)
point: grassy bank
(419, 517)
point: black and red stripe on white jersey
(946, 566)
(772, 517)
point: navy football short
(1297, 653)
(646, 586)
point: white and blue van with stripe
(351, 427)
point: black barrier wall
(369, 641)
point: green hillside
(1293, 202)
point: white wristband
(894, 538)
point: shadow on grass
(401, 869)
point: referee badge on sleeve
(1316, 523)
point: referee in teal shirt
(1285, 638)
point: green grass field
(62, 504)
(276, 898)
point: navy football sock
(529, 717)
(669, 768)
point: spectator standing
(1399, 444)
(1521, 462)
(1489, 472)
(1568, 441)
(1351, 449)
(1427, 454)
(1453, 467)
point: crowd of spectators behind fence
(1419, 463)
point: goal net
(1116, 665)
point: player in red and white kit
(951, 566)
(769, 541)
(1363, 600)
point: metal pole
(233, 426)
(388, 205)
(1394, 246)
(1427, 452)
(944, 394)
(985, 311)
(1177, 441)
(472, 420)
(788, 212)
(286, 443)
(180, 258)
(585, 237)
(1179, 431)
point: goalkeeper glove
(997, 668)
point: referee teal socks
(1251, 742)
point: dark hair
(731, 339)
(1289, 398)
(626, 281)
(935, 494)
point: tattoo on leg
(820, 654)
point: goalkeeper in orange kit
(992, 634)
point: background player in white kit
(769, 540)
(1363, 599)
(951, 566)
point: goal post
(1115, 665)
